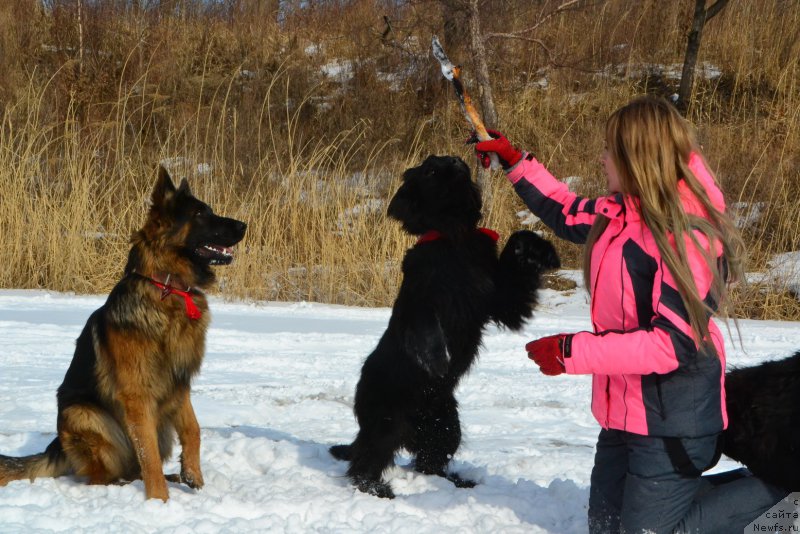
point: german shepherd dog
(453, 284)
(126, 392)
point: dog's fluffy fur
(452, 287)
(127, 390)
(763, 431)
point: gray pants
(636, 488)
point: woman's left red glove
(549, 353)
(507, 154)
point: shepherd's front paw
(192, 478)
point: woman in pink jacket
(659, 251)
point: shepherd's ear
(184, 188)
(164, 189)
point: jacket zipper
(596, 276)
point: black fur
(764, 420)
(452, 287)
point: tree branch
(712, 11)
(514, 35)
(560, 9)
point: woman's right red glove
(549, 353)
(506, 152)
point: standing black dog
(453, 285)
(763, 431)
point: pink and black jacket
(649, 376)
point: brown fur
(127, 391)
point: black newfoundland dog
(764, 420)
(453, 285)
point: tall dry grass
(303, 127)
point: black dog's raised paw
(531, 252)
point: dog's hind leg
(372, 453)
(96, 444)
(438, 438)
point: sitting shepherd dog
(453, 285)
(126, 391)
(763, 431)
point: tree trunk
(481, 68)
(701, 16)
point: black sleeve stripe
(551, 213)
(641, 269)
(573, 209)
(671, 298)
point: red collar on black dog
(433, 235)
(163, 283)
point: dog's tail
(342, 452)
(50, 463)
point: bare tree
(466, 14)
(701, 16)
(478, 47)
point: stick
(453, 73)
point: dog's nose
(240, 227)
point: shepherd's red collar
(433, 235)
(192, 311)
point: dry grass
(240, 107)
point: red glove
(506, 152)
(549, 353)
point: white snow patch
(276, 390)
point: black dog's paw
(374, 487)
(455, 478)
(460, 482)
(530, 252)
(342, 452)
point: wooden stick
(453, 73)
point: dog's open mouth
(215, 254)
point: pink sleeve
(657, 348)
(569, 215)
(638, 352)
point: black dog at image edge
(453, 284)
(763, 433)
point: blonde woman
(659, 251)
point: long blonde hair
(650, 144)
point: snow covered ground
(276, 390)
